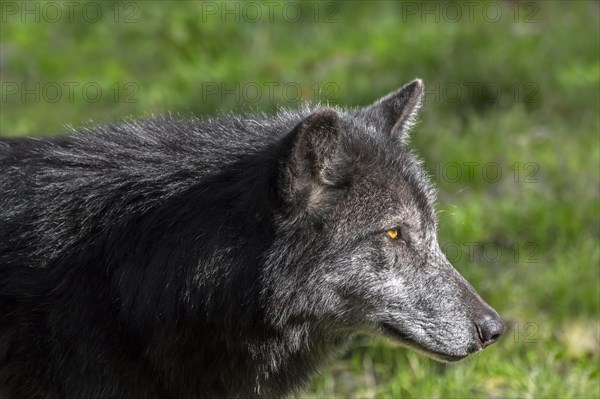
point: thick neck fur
(165, 194)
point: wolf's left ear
(395, 113)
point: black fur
(176, 258)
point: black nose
(489, 328)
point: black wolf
(228, 257)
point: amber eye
(393, 233)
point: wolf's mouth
(393, 333)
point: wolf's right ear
(315, 142)
(395, 113)
(314, 165)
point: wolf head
(357, 248)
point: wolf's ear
(395, 113)
(315, 142)
(316, 165)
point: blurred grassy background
(509, 131)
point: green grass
(528, 240)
